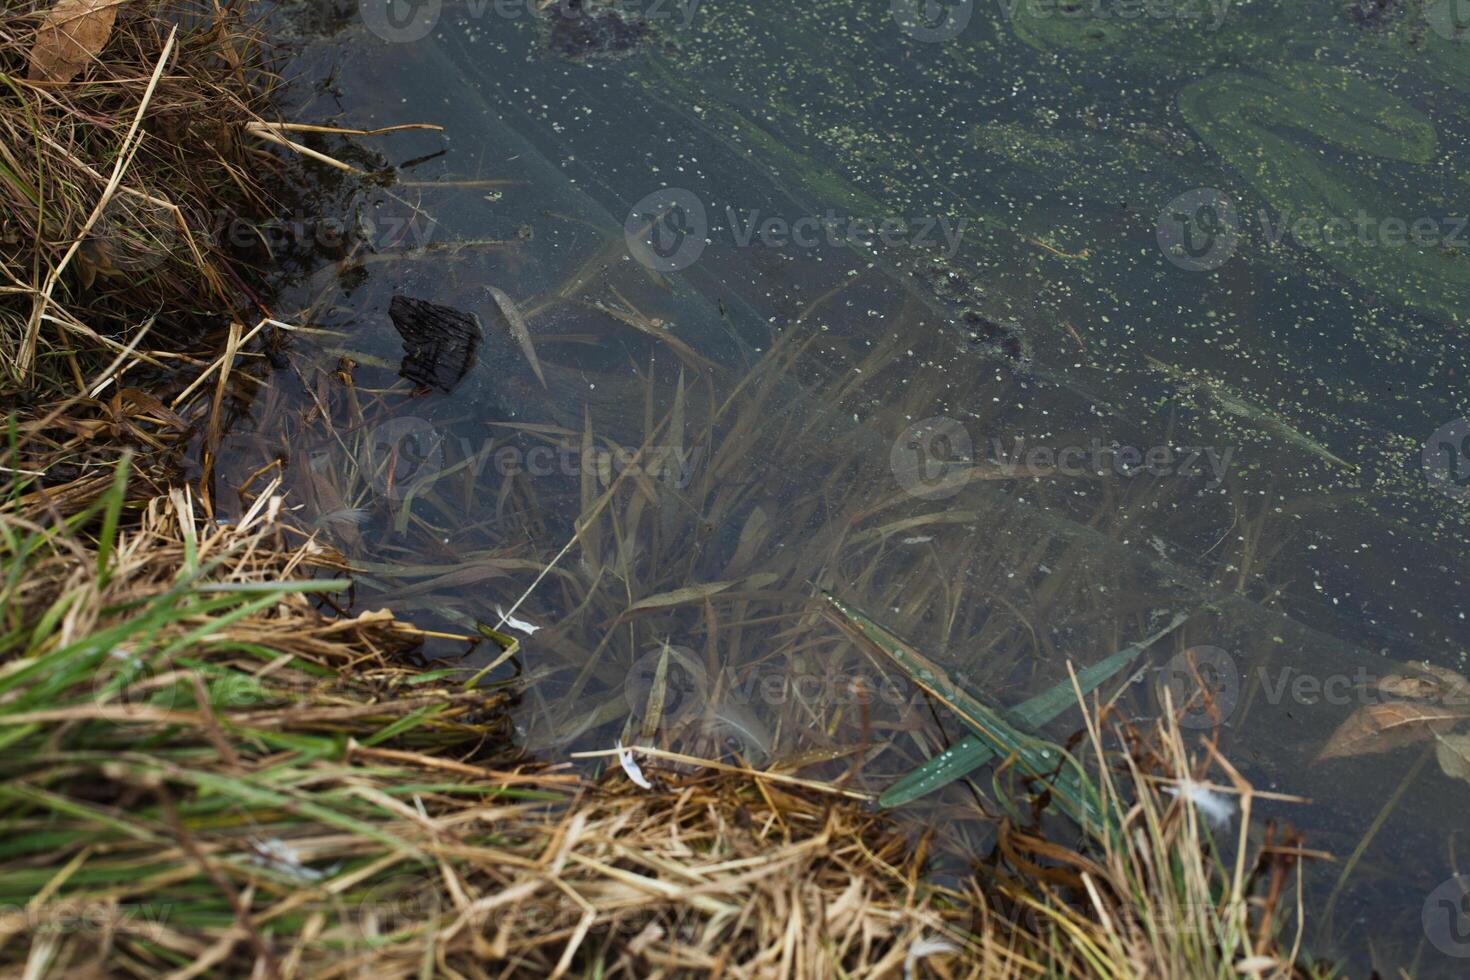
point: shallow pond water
(1024, 326)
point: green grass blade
(1034, 756)
(111, 511)
(409, 721)
(970, 752)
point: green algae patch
(1347, 170)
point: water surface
(817, 258)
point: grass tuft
(112, 185)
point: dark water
(816, 258)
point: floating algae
(1101, 158)
(1354, 208)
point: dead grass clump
(202, 774)
(121, 130)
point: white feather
(126, 655)
(630, 766)
(923, 947)
(283, 859)
(1216, 808)
(516, 624)
(350, 517)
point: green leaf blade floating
(970, 752)
(1037, 758)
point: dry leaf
(761, 579)
(693, 593)
(518, 330)
(1403, 686)
(752, 537)
(146, 403)
(1453, 753)
(1391, 725)
(74, 32)
(1454, 688)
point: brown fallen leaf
(1390, 725)
(73, 33)
(1453, 753)
(1404, 686)
(1454, 688)
(692, 593)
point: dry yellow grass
(205, 774)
